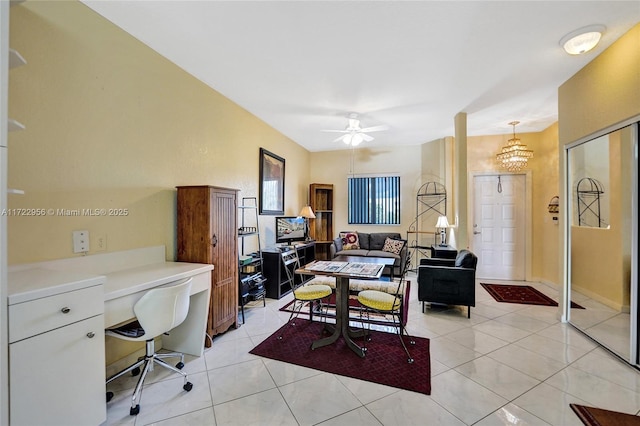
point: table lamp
(442, 225)
(307, 213)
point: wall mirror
(602, 239)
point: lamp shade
(442, 222)
(307, 212)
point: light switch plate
(80, 241)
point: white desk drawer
(38, 316)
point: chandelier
(514, 155)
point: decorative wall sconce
(554, 207)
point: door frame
(528, 213)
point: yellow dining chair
(389, 304)
(303, 293)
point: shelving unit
(277, 284)
(431, 202)
(15, 60)
(251, 280)
(321, 228)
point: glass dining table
(343, 272)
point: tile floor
(509, 364)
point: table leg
(342, 320)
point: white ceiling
(303, 66)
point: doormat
(591, 416)
(385, 362)
(523, 294)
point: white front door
(499, 226)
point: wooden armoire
(208, 233)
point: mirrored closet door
(602, 217)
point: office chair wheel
(109, 396)
(180, 365)
(410, 360)
(188, 386)
(135, 371)
(412, 342)
(134, 410)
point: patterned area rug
(385, 363)
(591, 416)
(523, 294)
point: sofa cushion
(377, 239)
(365, 240)
(350, 240)
(353, 252)
(393, 246)
(386, 254)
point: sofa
(373, 244)
(448, 281)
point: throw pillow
(393, 246)
(349, 240)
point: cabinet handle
(65, 310)
(91, 335)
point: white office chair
(157, 312)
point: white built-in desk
(58, 311)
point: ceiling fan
(354, 135)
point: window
(374, 200)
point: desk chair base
(150, 358)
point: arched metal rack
(431, 202)
(589, 192)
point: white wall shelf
(16, 59)
(14, 125)
(15, 191)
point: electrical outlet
(100, 242)
(80, 241)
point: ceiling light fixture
(514, 155)
(582, 40)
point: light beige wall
(334, 167)
(113, 125)
(481, 152)
(597, 98)
(604, 92)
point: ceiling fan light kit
(354, 134)
(582, 40)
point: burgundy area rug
(591, 416)
(523, 294)
(385, 363)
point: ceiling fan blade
(340, 138)
(335, 131)
(366, 137)
(375, 128)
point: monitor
(290, 228)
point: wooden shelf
(321, 228)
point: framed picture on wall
(271, 191)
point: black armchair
(448, 281)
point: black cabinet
(273, 268)
(443, 252)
